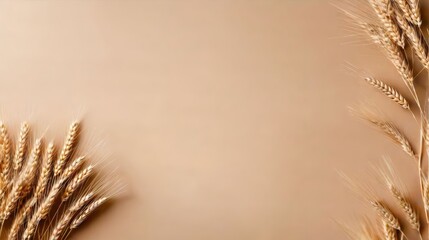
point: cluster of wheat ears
(46, 192)
(396, 27)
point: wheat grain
(67, 149)
(389, 91)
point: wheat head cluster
(396, 27)
(46, 191)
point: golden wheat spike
(76, 182)
(384, 12)
(46, 171)
(88, 210)
(6, 154)
(388, 91)
(386, 215)
(21, 148)
(68, 148)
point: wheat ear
(76, 182)
(6, 149)
(384, 12)
(394, 53)
(389, 232)
(415, 12)
(67, 149)
(391, 131)
(88, 210)
(411, 213)
(416, 40)
(21, 148)
(389, 91)
(386, 215)
(19, 219)
(24, 183)
(46, 171)
(405, 8)
(64, 222)
(46, 205)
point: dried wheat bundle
(45, 196)
(395, 26)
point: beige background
(226, 119)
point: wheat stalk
(426, 195)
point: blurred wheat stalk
(395, 26)
(45, 195)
